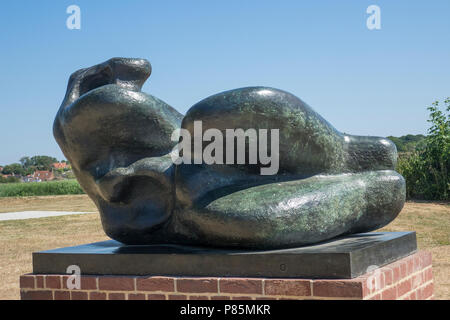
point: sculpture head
(104, 125)
(119, 142)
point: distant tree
(9, 180)
(25, 161)
(42, 162)
(28, 171)
(28, 165)
(14, 168)
(408, 143)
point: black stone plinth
(344, 257)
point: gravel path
(35, 214)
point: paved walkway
(35, 214)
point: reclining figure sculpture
(119, 143)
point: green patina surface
(118, 140)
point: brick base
(410, 278)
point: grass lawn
(431, 221)
(79, 203)
(18, 239)
(40, 188)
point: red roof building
(59, 165)
(43, 175)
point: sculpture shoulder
(251, 99)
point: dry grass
(431, 221)
(18, 239)
(79, 203)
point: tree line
(409, 143)
(28, 165)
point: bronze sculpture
(118, 141)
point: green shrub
(427, 170)
(40, 188)
(10, 179)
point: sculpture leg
(298, 212)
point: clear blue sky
(363, 82)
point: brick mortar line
(218, 286)
(191, 294)
(263, 284)
(165, 293)
(255, 296)
(146, 292)
(407, 294)
(398, 282)
(423, 285)
(335, 298)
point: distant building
(1, 168)
(43, 175)
(30, 178)
(60, 165)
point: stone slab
(341, 258)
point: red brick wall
(410, 278)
